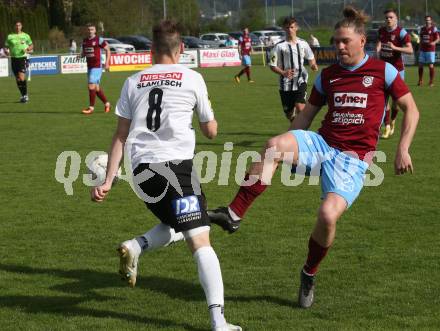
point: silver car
(118, 47)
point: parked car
(118, 47)
(194, 42)
(219, 38)
(139, 42)
(269, 37)
(255, 41)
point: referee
(18, 45)
(287, 60)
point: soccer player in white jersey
(287, 60)
(155, 113)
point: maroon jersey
(356, 99)
(427, 36)
(399, 37)
(245, 45)
(91, 48)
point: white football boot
(129, 252)
(228, 327)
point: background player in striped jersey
(287, 60)
(392, 41)
(245, 51)
(429, 37)
(355, 90)
(155, 114)
(92, 47)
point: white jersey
(285, 56)
(160, 102)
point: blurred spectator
(229, 42)
(72, 46)
(415, 41)
(313, 41)
(3, 52)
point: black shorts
(19, 64)
(290, 98)
(173, 193)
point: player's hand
(314, 67)
(403, 163)
(288, 73)
(98, 193)
(107, 66)
(391, 45)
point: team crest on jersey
(367, 81)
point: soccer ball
(98, 169)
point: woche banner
(44, 65)
(130, 61)
(73, 64)
(219, 58)
(4, 67)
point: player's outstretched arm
(115, 156)
(304, 118)
(403, 162)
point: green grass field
(58, 266)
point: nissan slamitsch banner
(73, 64)
(44, 65)
(219, 58)
(130, 61)
(189, 59)
(4, 67)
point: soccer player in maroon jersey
(392, 41)
(355, 90)
(429, 37)
(91, 49)
(245, 50)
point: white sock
(160, 236)
(210, 277)
(234, 216)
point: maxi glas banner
(44, 65)
(130, 61)
(4, 67)
(223, 57)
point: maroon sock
(315, 256)
(387, 117)
(241, 72)
(101, 95)
(92, 97)
(394, 112)
(248, 72)
(420, 74)
(431, 75)
(245, 196)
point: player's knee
(327, 217)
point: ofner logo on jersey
(356, 100)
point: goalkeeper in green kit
(18, 45)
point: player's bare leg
(279, 148)
(210, 277)
(431, 75)
(92, 98)
(394, 111)
(323, 235)
(420, 83)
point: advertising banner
(219, 57)
(130, 61)
(4, 67)
(44, 65)
(189, 59)
(73, 64)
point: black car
(194, 42)
(139, 42)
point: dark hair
(288, 21)
(166, 37)
(353, 19)
(428, 16)
(390, 10)
(89, 25)
(18, 21)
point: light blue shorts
(246, 60)
(402, 74)
(340, 173)
(427, 57)
(94, 75)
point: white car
(220, 38)
(269, 37)
(118, 47)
